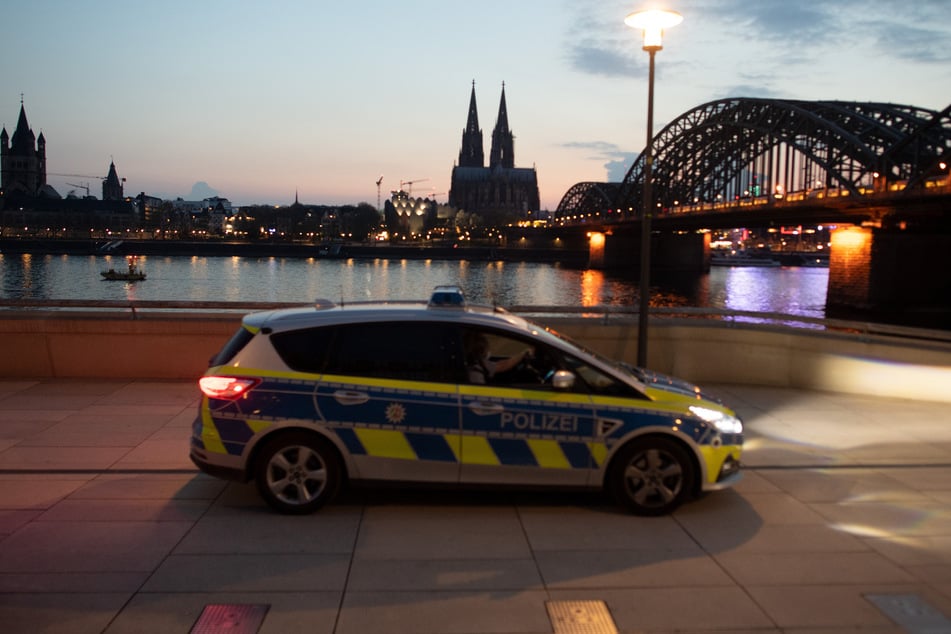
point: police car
(303, 400)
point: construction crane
(102, 178)
(379, 180)
(85, 186)
(409, 191)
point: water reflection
(591, 284)
(797, 291)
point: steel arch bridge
(742, 148)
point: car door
(516, 428)
(389, 392)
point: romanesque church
(23, 166)
(23, 161)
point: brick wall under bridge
(891, 271)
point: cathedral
(501, 191)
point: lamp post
(652, 22)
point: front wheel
(651, 476)
(297, 473)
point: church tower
(22, 159)
(500, 193)
(471, 154)
(502, 153)
(112, 186)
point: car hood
(670, 384)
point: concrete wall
(110, 346)
(719, 352)
(175, 346)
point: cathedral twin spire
(502, 153)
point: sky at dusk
(264, 99)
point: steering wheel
(527, 368)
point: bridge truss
(741, 148)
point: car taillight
(225, 387)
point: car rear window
(238, 341)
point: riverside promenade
(842, 524)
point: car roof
(325, 313)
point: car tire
(651, 476)
(297, 473)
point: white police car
(302, 400)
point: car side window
(409, 351)
(304, 350)
(497, 358)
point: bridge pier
(670, 251)
(886, 272)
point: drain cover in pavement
(580, 617)
(230, 618)
(911, 612)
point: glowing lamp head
(653, 22)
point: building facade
(499, 192)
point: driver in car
(482, 368)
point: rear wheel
(651, 476)
(297, 473)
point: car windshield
(627, 369)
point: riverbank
(215, 248)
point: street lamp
(652, 22)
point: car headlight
(721, 420)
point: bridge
(877, 171)
(776, 154)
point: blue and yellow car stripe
(227, 426)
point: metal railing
(139, 308)
(741, 317)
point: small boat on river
(132, 274)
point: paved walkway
(842, 524)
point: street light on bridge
(652, 22)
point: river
(787, 290)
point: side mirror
(563, 380)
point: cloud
(616, 161)
(202, 190)
(914, 43)
(603, 60)
(758, 88)
(801, 33)
(770, 19)
(617, 169)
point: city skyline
(262, 101)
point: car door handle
(486, 409)
(346, 397)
